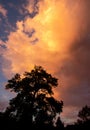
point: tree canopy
(34, 104)
(35, 107)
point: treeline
(83, 122)
(34, 106)
(8, 122)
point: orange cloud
(58, 25)
(54, 27)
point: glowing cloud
(60, 27)
(56, 29)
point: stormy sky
(54, 34)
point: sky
(54, 34)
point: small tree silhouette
(83, 123)
(84, 114)
(34, 105)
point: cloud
(62, 48)
(69, 115)
(55, 30)
(75, 75)
(3, 11)
(1, 47)
(2, 105)
(5, 97)
(32, 6)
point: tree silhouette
(84, 114)
(59, 124)
(34, 105)
(83, 123)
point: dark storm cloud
(75, 77)
(75, 71)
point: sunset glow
(53, 38)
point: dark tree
(59, 124)
(34, 104)
(83, 123)
(84, 118)
(84, 114)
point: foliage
(83, 123)
(84, 114)
(35, 107)
(34, 104)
